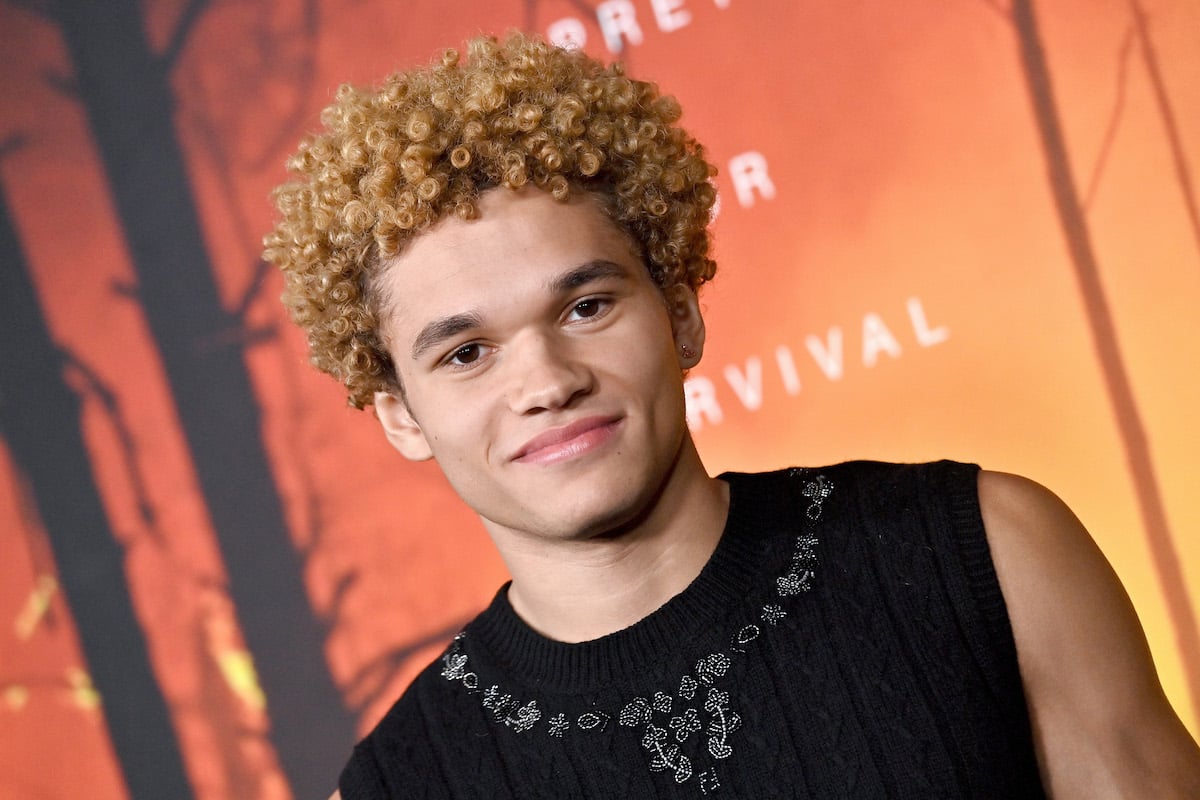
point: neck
(579, 590)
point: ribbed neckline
(616, 658)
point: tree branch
(997, 6)
(1182, 171)
(187, 22)
(1114, 119)
(305, 80)
(94, 385)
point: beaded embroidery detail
(698, 708)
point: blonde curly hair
(393, 161)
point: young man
(503, 257)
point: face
(542, 366)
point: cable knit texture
(847, 639)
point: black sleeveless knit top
(847, 639)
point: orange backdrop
(910, 268)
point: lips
(568, 441)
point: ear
(687, 324)
(401, 427)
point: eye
(589, 308)
(465, 355)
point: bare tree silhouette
(279, 60)
(40, 419)
(1104, 339)
(1182, 173)
(217, 703)
(124, 89)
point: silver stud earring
(686, 351)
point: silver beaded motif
(700, 706)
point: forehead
(517, 244)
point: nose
(546, 374)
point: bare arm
(1102, 726)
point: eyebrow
(439, 330)
(442, 329)
(589, 272)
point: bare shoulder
(1042, 552)
(336, 795)
(1101, 723)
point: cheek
(655, 375)
(458, 426)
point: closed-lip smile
(568, 441)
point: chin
(611, 513)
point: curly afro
(392, 161)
